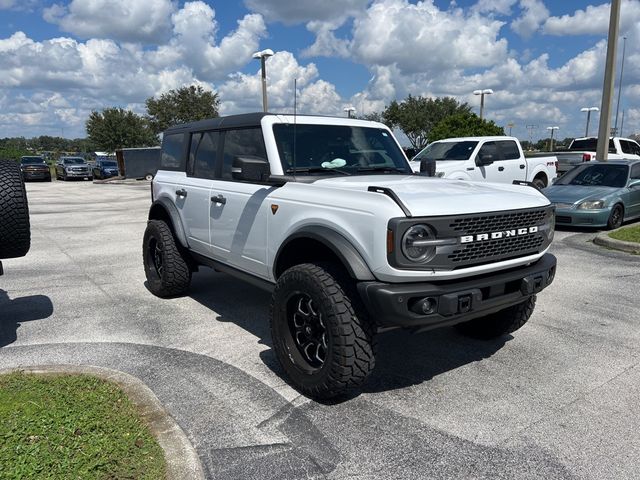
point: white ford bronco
(327, 214)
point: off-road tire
(15, 230)
(174, 276)
(350, 338)
(616, 217)
(500, 323)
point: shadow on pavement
(403, 359)
(23, 309)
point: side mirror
(484, 159)
(428, 167)
(634, 183)
(250, 169)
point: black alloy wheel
(307, 329)
(616, 217)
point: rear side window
(635, 171)
(205, 156)
(509, 150)
(172, 157)
(247, 141)
(626, 146)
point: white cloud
(422, 38)
(533, 16)
(594, 20)
(120, 20)
(502, 7)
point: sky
(544, 60)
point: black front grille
(563, 219)
(498, 222)
(503, 247)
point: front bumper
(583, 218)
(36, 174)
(399, 304)
(79, 174)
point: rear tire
(15, 230)
(539, 183)
(320, 333)
(500, 323)
(616, 217)
(165, 265)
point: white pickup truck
(584, 150)
(491, 159)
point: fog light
(425, 306)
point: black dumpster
(138, 163)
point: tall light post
(588, 110)
(263, 55)
(552, 129)
(602, 152)
(624, 49)
(510, 125)
(350, 110)
(482, 93)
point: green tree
(464, 125)
(186, 104)
(416, 116)
(115, 128)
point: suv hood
(425, 196)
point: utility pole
(531, 128)
(602, 152)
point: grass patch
(629, 234)
(72, 426)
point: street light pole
(482, 93)
(588, 110)
(624, 48)
(602, 152)
(350, 110)
(263, 55)
(552, 129)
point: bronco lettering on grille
(481, 237)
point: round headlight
(415, 243)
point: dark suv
(35, 168)
(105, 169)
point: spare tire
(15, 232)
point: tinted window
(489, 148)
(205, 156)
(193, 148)
(247, 141)
(635, 171)
(32, 160)
(590, 145)
(596, 176)
(509, 150)
(635, 148)
(626, 146)
(172, 152)
(447, 151)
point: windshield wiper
(382, 169)
(316, 170)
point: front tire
(165, 266)
(616, 217)
(15, 229)
(320, 333)
(500, 323)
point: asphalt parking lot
(559, 399)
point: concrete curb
(604, 240)
(182, 460)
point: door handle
(219, 199)
(181, 193)
(501, 169)
(521, 167)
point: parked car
(583, 150)
(34, 168)
(492, 159)
(597, 194)
(326, 214)
(105, 169)
(72, 167)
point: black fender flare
(338, 244)
(174, 216)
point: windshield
(447, 151)
(108, 164)
(329, 149)
(73, 161)
(32, 160)
(596, 176)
